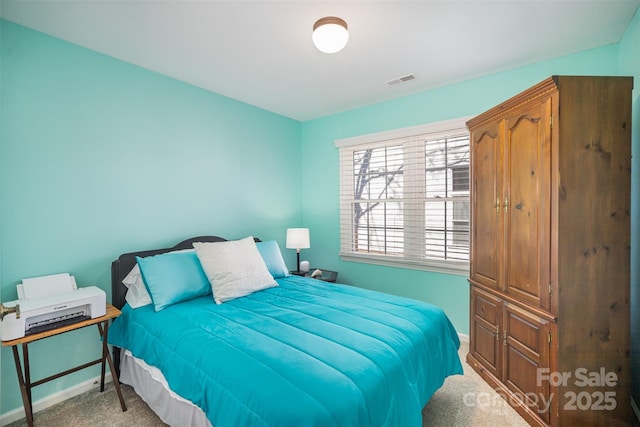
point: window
(404, 197)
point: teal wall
(99, 157)
(630, 65)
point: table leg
(27, 370)
(106, 356)
(25, 387)
(104, 350)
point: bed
(298, 352)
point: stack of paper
(45, 286)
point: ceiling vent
(402, 79)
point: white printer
(49, 302)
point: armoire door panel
(526, 206)
(526, 352)
(486, 317)
(487, 307)
(522, 381)
(486, 348)
(485, 154)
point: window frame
(410, 135)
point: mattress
(344, 355)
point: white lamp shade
(330, 34)
(298, 238)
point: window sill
(460, 268)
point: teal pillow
(272, 256)
(173, 277)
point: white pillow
(137, 294)
(234, 268)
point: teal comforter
(305, 353)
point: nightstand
(327, 275)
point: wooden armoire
(550, 250)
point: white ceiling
(260, 52)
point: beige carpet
(464, 400)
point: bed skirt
(149, 383)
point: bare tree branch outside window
(377, 181)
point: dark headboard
(125, 262)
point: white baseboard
(52, 399)
(464, 338)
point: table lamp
(298, 238)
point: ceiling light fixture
(330, 34)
